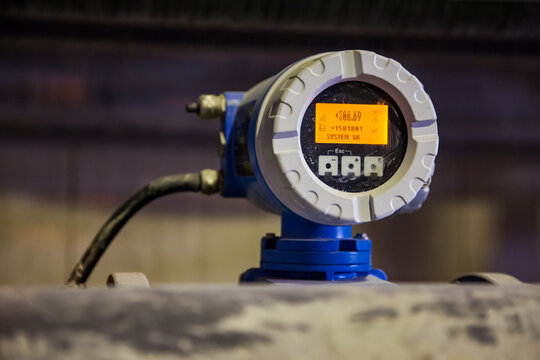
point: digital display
(351, 124)
(353, 136)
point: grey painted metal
(280, 322)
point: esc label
(351, 124)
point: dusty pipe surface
(281, 322)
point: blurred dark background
(92, 97)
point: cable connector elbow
(210, 181)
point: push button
(328, 165)
(351, 166)
(373, 165)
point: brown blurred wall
(83, 124)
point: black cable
(155, 189)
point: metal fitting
(210, 181)
(487, 278)
(127, 279)
(208, 106)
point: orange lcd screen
(351, 124)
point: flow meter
(336, 139)
(333, 140)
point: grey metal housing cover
(279, 152)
